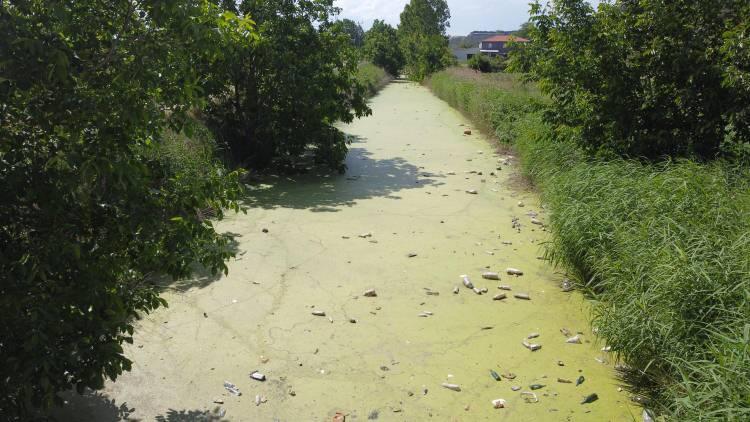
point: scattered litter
(467, 282)
(590, 398)
(560, 363)
(504, 287)
(352, 320)
(427, 312)
(411, 255)
(580, 380)
(265, 230)
(514, 271)
(566, 285)
(529, 397)
(487, 327)
(494, 375)
(574, 340)
(531, 346)
(423, 315)
(498, 403)
(454, 387)
(432, 293)
(365, 235)
(509, 375)
(218, 401)
(532, 335)
(564, 381)
(477, 290)
(523, 296)
(232, 388)
(370, 293)
(472, 191)
(515, 387)
(339, 417)
(499, 296)
(536, 386)
(467, 132)
(491, 276)
(455, 290)
(521, 204)
(319, 313)
(565, 332)
(537, 222)
(607, 349)
(257, 376)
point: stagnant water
(409, 170)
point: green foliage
(372, 77)
(645, 78)
(484, 64)
(382, 48)
(355, 32)
(422, 37)
(290, 87)
(662, 250)
(93, 204)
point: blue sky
(466, 15)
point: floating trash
(504, 287)
(574, 340)
(531, 346)
(498, 403)
(532, 335)
(499, 296)
(564, 381)
(257, 376)
(537, 386)
(232, 388)
(455, 290)
(490, 276)
(580, 380)
(467, 282)
(514, 271)
(522, 296)
(454, 387)
(494, 375)
(590, 398)
(370, 293)
(529, 397)
(319, 313)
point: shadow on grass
(323, 191)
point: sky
(466, 15)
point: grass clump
(372, 77)
(662, 249)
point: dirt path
(406, 186)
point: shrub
(644, 78)
(93, 204)
(486, 64)
(372, 77)
(289, 88)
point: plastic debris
(580, 380)
(574, 340)
(490, 276)
(498, 403)
(531, 346)
(532, 335)
(494, 375)
(232, 388)
(564, 381)
(522, 296)
(514, 271)
(467, 282)
(590, 398)
(257, 376)
(499, 296)
(370, 293)
(472, 191)
(454, 387)
(536, 386)
(504, 287)
(319, 313)
(455, 290)
(529, 397)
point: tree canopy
(91, 212)
(382, 47)
(422, 37)
(645, 78)
(355, 32)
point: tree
(290, 87)
(355, 32)
(90, 212)
(422, 37)
(642, 78)
(382, 47)
(525, 30)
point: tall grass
(662, 250)
(372, 77)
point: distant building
(499, 45)
(464, 54)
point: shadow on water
(322, 191)
(95, 406)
